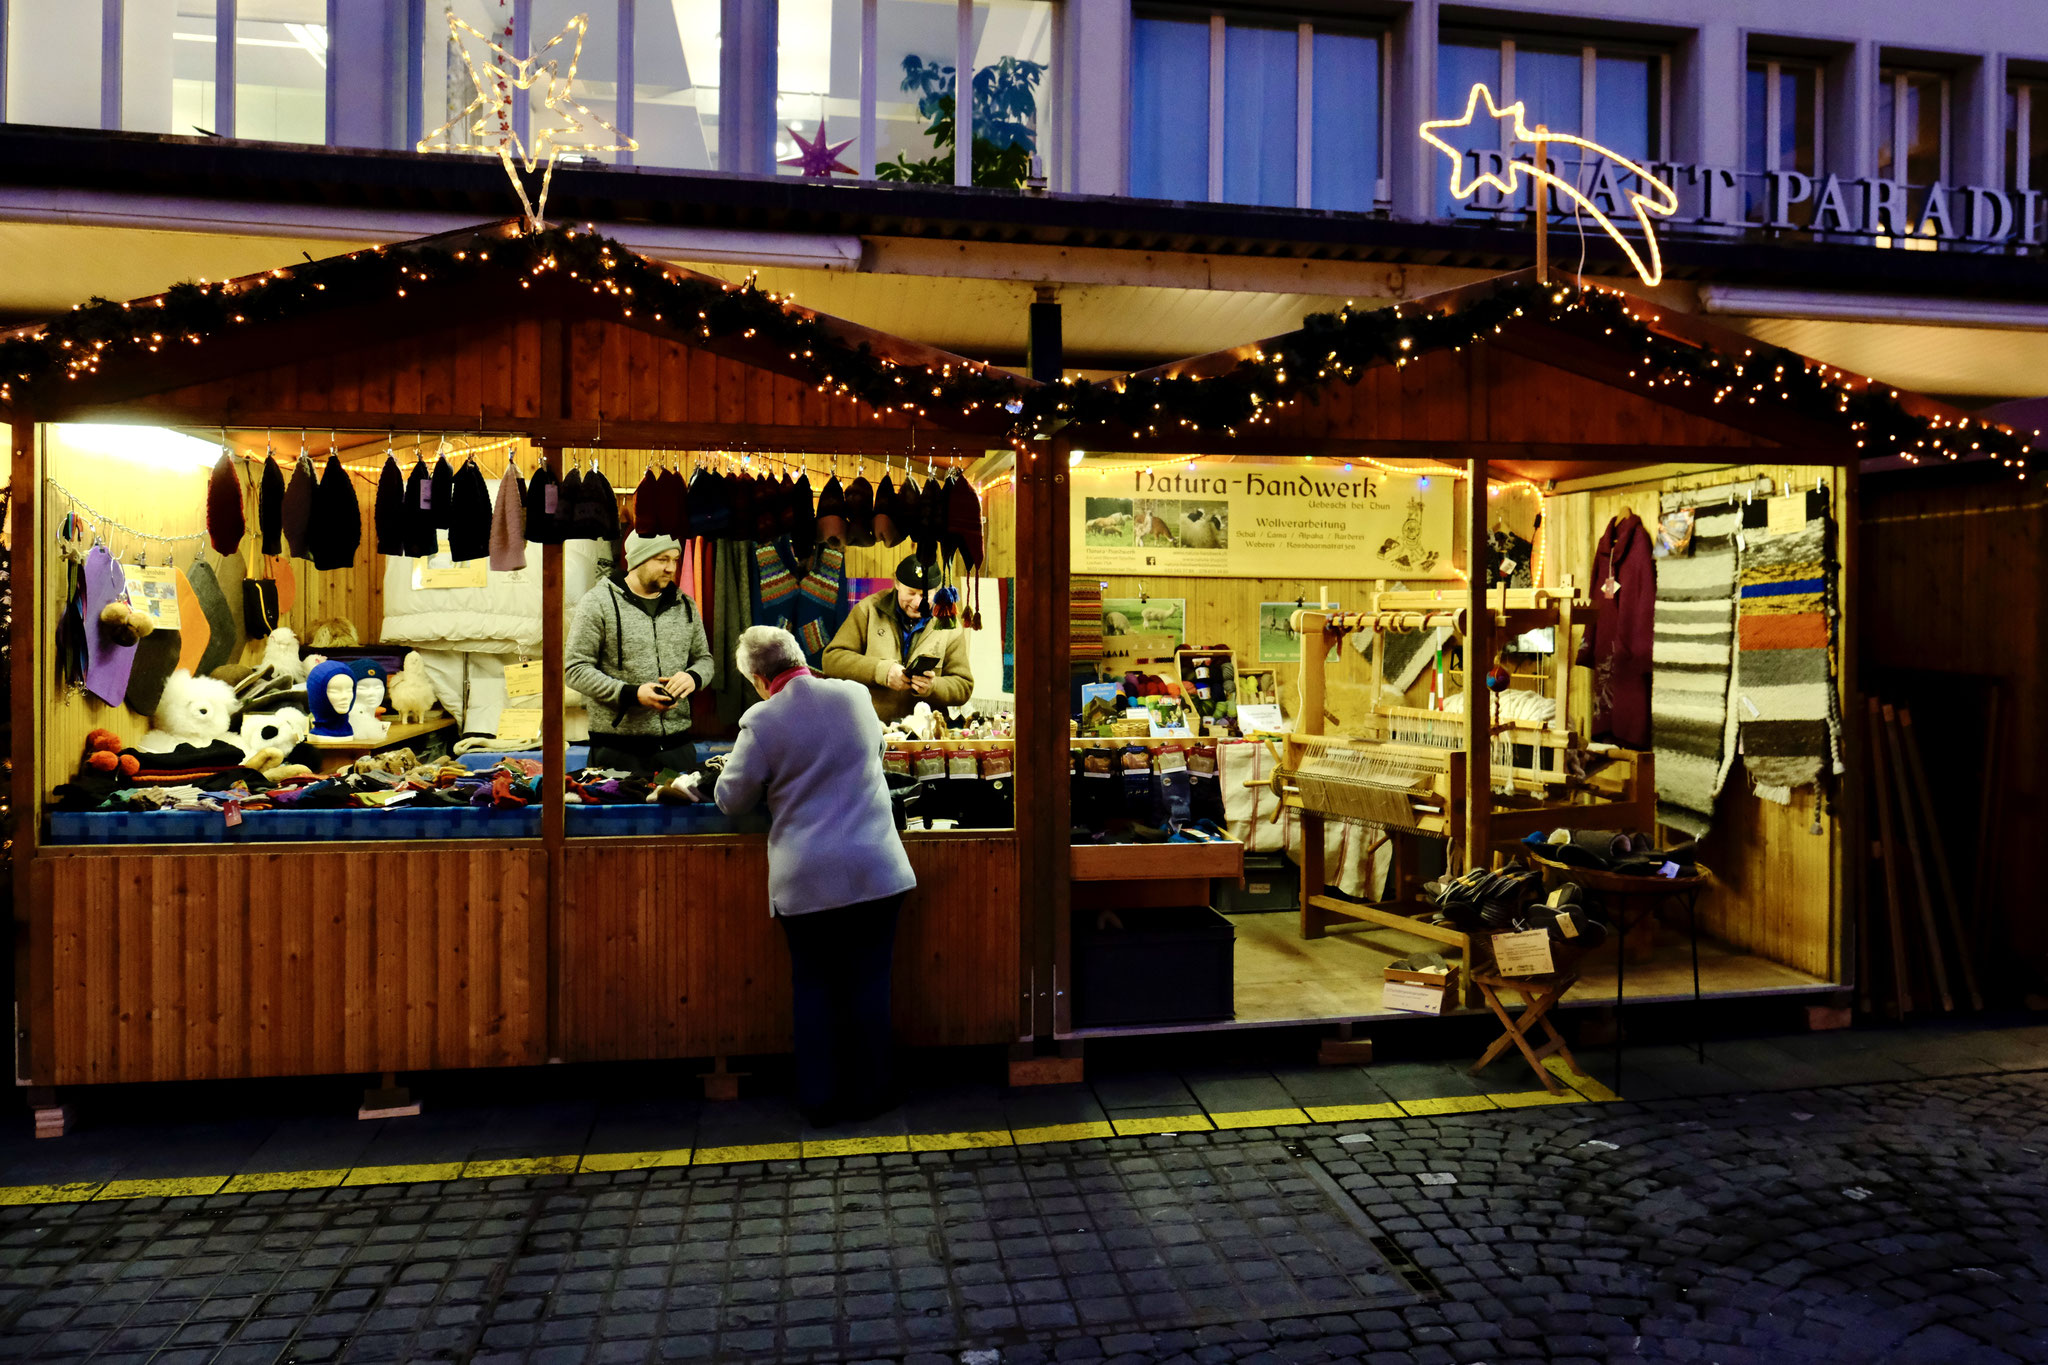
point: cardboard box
(1421, 992)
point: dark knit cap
(646, 505)
(888, 516)
(860, 511)
(603, 504)
(390, 508)
(543, 509)
(298, 506)
(801, 522)
(912, 572)
(226, 522)
(963, 523)
(831, 524)
(470, 537)
(673, 496)
(443, 506)
(337, 526)
(420, 540)
(270, 507)
(710, 509)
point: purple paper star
(818, 158)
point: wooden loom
(1407, 772)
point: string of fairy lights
(36, 363)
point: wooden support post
(1315, 648)
(1909, 821)
(1902, 996)
(1044, 797)
(1478, 657)
(720, 1084)
(554, 765)
(53, 1120)
(388, 1100)
(1034, 1065)
(35, 967)
(1944, 878)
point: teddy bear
(195, 711)
(411, 694)
(124, 625)
(103, 754)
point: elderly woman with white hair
(837, 872)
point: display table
(337, 752)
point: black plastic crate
(1166, 965)
(1270, 883)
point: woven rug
(1784, 694)
(1691, 659)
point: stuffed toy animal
(103, 754)
(191, 711)
(123, 625)
(336, 632)
(411, 695)
(281, 654)
(284, 730)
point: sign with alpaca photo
(1307, 521)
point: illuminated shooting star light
(503, 73)
(1655, 197)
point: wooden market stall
(222, 958)
(1554, 409)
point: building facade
(1179, 175)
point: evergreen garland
(1329, 347)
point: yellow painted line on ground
(960, 1142)
(74, 1193)
(178, 1187)
(524, 1165)
(732, 1156)
(1181, 1123)
(1585, 1085)
(258, 1182)
(1257, 1118)
(636, 1161)
(1352, 1113)
(1063, 1132)
(404, 1175)
(857, 1146)
(1449, 1104)
(1529, 1099)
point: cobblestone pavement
(1894, 1221)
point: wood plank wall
(192, 965)
(1778, 891)
(669, 949)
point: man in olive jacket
(637, 649)
(890, 642)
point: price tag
(233, 813)
(547, 499)
(1611, 586)
(426, 494)
(523, 680)
(1524, 954)
(520, 723)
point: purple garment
(107, 664)
(1618, 638)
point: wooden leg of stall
(719, 1083)
(1063, 1065)
(1345, 1048)
(52, 1119)
(388, 1100)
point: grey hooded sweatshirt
(614, 646)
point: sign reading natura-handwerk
(1262, 521)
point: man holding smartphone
(891, 642)
(638, 650)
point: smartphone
(921, 667)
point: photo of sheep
(1181, 523)
(1278, 644)
(1146, 616)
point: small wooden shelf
(1149, 862)
(399, 735)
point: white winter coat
(814, 752)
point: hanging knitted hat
(470, 537)
(270, 507)
(931, 519)
(567, 495)
(860, 511)
(543, 519)
(443, 506)
(830, 527)
(709, 504)
(596, 508)
(221, 635)
(963, 523)
(770, 503)
(803, 532)
(298, 506)
(337, 526)
(417, 526)
(740, 499)
(508, 524)
(645, 510)
(226, 522)
(672, 494)
(389, 509)
(885, 525)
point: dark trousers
(839, 979)
(642, 753)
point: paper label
(154, 593)
(519, 722)
(442, 571)
(1787, 514)
(523, 680)
(1670, 869)
(547, 499)
(234, 813)
(1567, 926)
(426, 493)
(1523, 954)
(1264, 716)
(1750, 707)
(1611, 586)
(1411, 995)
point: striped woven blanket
(1692, 655)
(1784, 677)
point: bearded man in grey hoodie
(637, 649)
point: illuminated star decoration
(817, 158)
(1654, 197)
(493, 131)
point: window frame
(1899, 137)
(2022, 90)
(1305, 27)
(1774, 109)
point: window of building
(168, 68)
(1615, 94)
(1256, 113)
(675, 84)
(2026, 135)
(1782, 131)
(1912, 126)
(280, 69)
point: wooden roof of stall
(1537, 400)
(548, 361)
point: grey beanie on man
(640, 549)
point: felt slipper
(193, 631)
(156, 658)
(107, 661)
(220, 621)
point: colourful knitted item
(1784, 681)
(777, 584)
